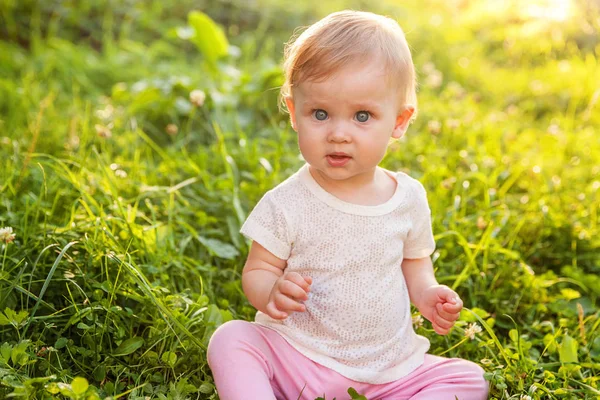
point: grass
(126, 199)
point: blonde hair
(346, 37)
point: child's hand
(287, 293)
(440, 305)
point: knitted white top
(357, 319)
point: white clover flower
(434, 79)
(532, 389)
(197, 97)
(417, 321)
(434, 126)
(172, 129)
(103, 131)
(471, 330)
(6, 234)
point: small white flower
(417, 321)
(525, 397)
(471, 330)
(172, 129)
(434, 79)
(6, 234)
(106, 113)
(197, 97)
(532, 389)
(103, 131)
(434, 126)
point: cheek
(374, 148)
(309, 146)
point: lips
(338, 154)
(338, 159)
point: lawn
(136, 136)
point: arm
(419, 276)
(268, 288)
(260, 273)
(438, 303)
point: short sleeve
(268, 226)
(420, 242)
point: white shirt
(357, 319)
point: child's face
(345, 122)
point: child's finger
(442, 322)
(288, 304)
(439, 330)
(308, 280)
(448, 316)
(273, 312)
(290, 289)
(447, 295)
(452, 308)
(298, 280)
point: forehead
(357, 82)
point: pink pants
(250, 361)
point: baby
(341, 248)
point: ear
(402, 121)
(289, 102)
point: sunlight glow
(554, 10)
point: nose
(339, 132)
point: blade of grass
(46, 283)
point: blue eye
(362, 116)
(320, 115)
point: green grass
(127, 253)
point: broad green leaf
(206, 388)
(18, 354)
(568, 350)
(129, 346)
(570, 294)
(218, 248)
(60, 343)
(100, 373)
(169, 358)
(4, 320)
(5, 351)
(11, 315)
(208, 37)
(52, 388)
(79, 385)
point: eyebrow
(359, 105)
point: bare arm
(438, 303)
(260, 273)
(419, 276)
(269, 288)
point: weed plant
(136, 136)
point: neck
(357, 183)
(369, 188)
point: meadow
(136, 136)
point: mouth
(338, 159)
(338, 155)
